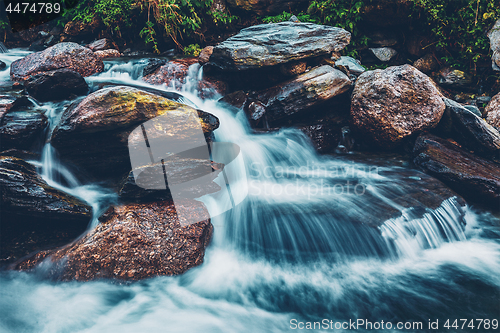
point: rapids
(293, 250)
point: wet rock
(133, 242)
(237, 100)
(205, 54)
(492, 111)
(471, 131)
(112, 53)
(179, 72)
(494, 36)
(94, 133)
(453, 78)
(273, 44)
(63, 55)
(35, 215)
(181, 170)
(384, 53)
(6, 103)
(473, 177)
(152, 65)
(312, 88)
(426, 64)
(474, 109)
(294, 19)
(264, 7)
(22, 129)
(325, 135)
(55, 85)
(392, 104)
(352, 65)
(3, 65)
(103, 44)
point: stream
(292, 252)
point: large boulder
(111, 53)
(35, 215)
(492, 111)
(94, 134)
(273, 44)
(62, 55)
(264, 7)
(310, 89)
(180, 73)
(56, 85)
(494, 36)
(22, 129)
(392, 104)
(472, 131)
(133, 242)
(473, 177)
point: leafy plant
(459, 27)
(192, 50)
(285, 16)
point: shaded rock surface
(472, 131)
(272, 44)
(63, 55)
(294, 96)
(392, 104)
(56, 85)
(494, 36)
(177, 73)
(492, 111)
(426, 64)
(473, 177)
(94, 134)
(35, 215)
(22, 129)
(454, 78)
(133, 242)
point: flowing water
(293, 252)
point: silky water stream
(293, 252)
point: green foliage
(303, 17)
(459, 28)
(192, 50)
(344, 14)
(173, 18)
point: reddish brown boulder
(175, 73)
(111, 53)
(475, 178)
(63, 55)
(103, 44)
(392, 104)
(133, 242)
(492, 111)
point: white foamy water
(293, 249)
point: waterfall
(312, 240)
(3, 48)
